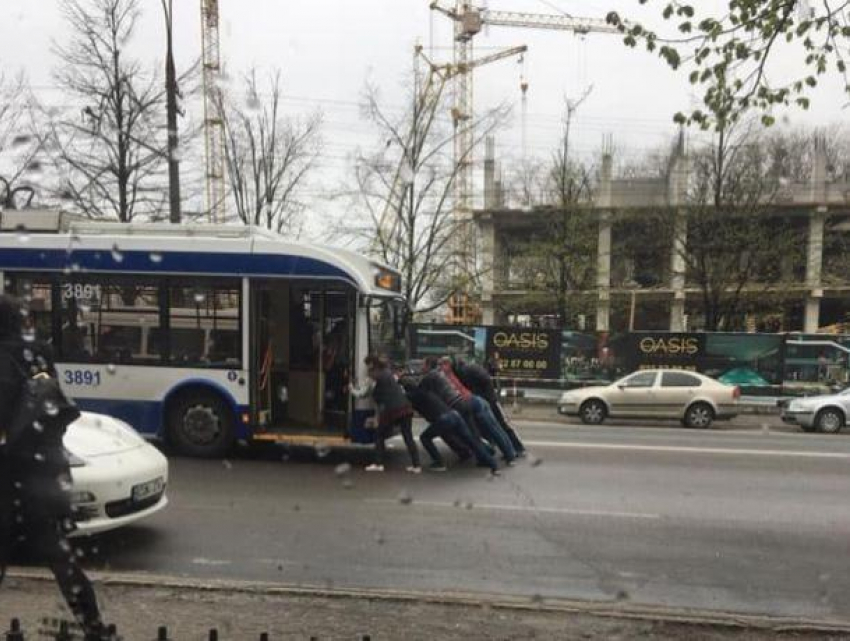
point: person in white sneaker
(394, 413)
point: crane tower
(213, 121)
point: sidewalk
(243, 613)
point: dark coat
(437, 383)
(477, 380)
(429, 406)
(390, 397)
(36, 471)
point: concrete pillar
(677, 190)
(490, 188)
(603, 256)
(814, 267)
(493, 262)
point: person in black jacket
(394, 412)
(444, 423)
(480, 383)
(36, 475)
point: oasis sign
(664, 350)
(525, 353)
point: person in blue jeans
(480, 412)
(447, 424)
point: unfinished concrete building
(647, 288)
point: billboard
(525, 353)
(521, 352)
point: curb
(612, 610)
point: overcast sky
(327, 49)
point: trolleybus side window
(205, 324)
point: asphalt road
(728, 520)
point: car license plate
(146, 490)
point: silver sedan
(826, 413)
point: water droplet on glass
(200, 297)
(39, 457)
(379, 539)
(117, 255)
(28, 355)
(22, 234)
(469, 505)
(38, 427)
(296, 508)
(343, 469)
(111, 368)
(457, 503)
(405, 497)
(227, 465)
(50, 408)
(322, 450)
(156, 257)
(28, 334)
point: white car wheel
(829, 421)
(592, 412)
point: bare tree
(269, 156)
(403, 197)
(556, 266)
(111, 155)
(19, 147)
(734, 246)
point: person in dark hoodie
(479, 381)
(394, 412)
(441, 380)
(444, 423)
(35, 474)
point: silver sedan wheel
(830, 421)
(592, 412)
(699, 416)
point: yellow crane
(213, 120)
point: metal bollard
(162, 634)
(15, 633)
(213, 635)
(264, 636)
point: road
(740, 521)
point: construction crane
(469, 21)
(428, 100)
(213, 120)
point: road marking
(210, 562)
(688, 450)
(464, 505)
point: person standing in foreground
(480, 383)
(36, 474)
(394, 411)
(445, 423)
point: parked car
(118, 478)
(826, 413)
(695, 399)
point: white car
(694, 399)
(117, 477)
(827, 413)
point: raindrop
(38, 427)
(322, 450)
(28, 355)
(296, 508)
(39, 457)
(111, 368)
(85, 308)
(50, 408)
(457, 503)
(156, 257)
(405, 497)
(28, 334)
(22, 233)
(622, 595)
(379, 539)
(117, 254)
(227, 465)
(469, 505)
(343, 469)
(200, 297)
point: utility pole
(172, 94)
